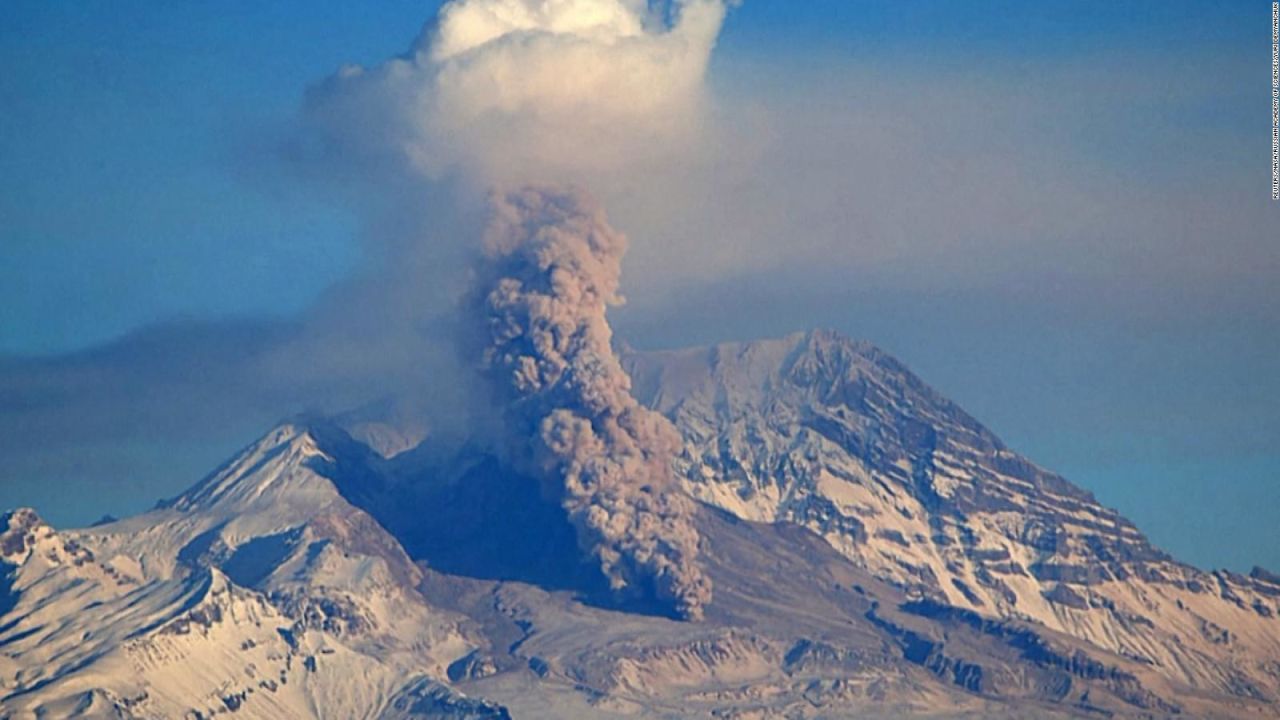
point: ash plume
(529, 90)
(551, 268)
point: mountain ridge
(842, 438)
(862, 532)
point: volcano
(875, 552)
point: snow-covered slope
(259, 591)
(839, 437)
(945, 577)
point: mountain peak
(259, 591)
(872, 546)
(838, 436)
(274, 468)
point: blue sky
(1135, 353)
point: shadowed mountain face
(840, 438)
(875, 552)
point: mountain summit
(875, 552)
(839, 437)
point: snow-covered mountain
(839, 437)
(261, 591)
(320, 576)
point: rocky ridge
(260, 591)
(841, 438)
(875, 551)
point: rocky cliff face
(839, 437)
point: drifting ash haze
(553, 265)
(512, 93)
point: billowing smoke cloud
(507, 93)
(531, 90)
(551, 270)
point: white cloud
(532, 90)
(468, 24)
